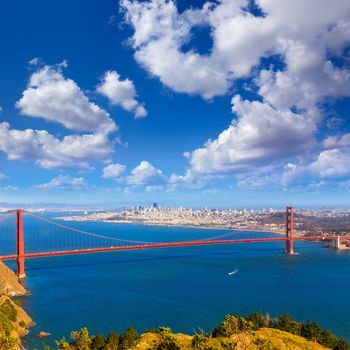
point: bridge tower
(289, 231)
(20, 244)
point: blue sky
(221, 104)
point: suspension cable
(81, 231)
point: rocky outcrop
(9, 284)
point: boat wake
(233, 272)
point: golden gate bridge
(45, 238)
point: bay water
(186, 288)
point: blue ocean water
(184, 288)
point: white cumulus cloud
(275, 135)
(279, 176)
(260, 136)
(51, 96)
(334, 159)
(113, 171)
(64, 182)
(121, 92)
(70, 152)
(332, 163)
(145, 174)
(240, 40)
(339, 142)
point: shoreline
(129, 222)
(206, 227)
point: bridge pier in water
(289, 231)
(20, 244)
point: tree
(98, 342)
(287, 324)
(166, 340)
(112, 341)
(327, 338)
(81, 339)
(244, 325)
(310, 331)
(229, 326)
(257, 319)
(199, 342)
(341, 345)
(129, 339)
(61, 345)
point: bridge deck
(168, 245)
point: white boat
(233, 272)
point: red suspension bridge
(44, 238)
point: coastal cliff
(14, 321)
(9, 284)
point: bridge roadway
(168, 245)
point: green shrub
(112, 341)
(258, 320)
(166, 340)
(98, 342)
(17, 302)
(8, 311)
(263, 344)
(341, 345)
(232, 324)
(199, 342)
(129, 338)
(287, 324)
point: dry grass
(279, 341)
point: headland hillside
(255, 332)
(14, 321)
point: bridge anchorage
(40, 237)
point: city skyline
(225, 104)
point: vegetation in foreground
(255, 331)
(13, 323)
